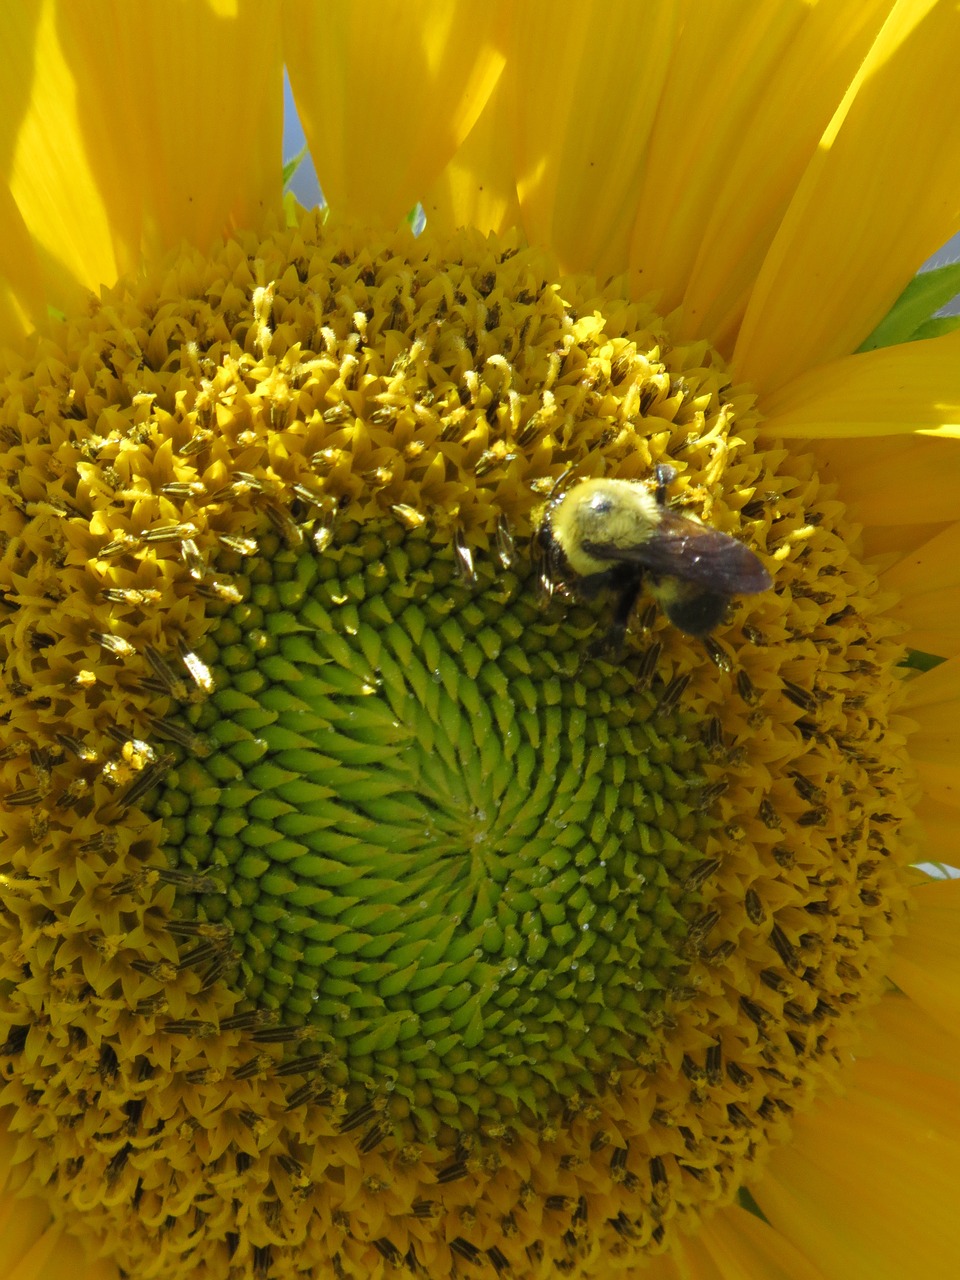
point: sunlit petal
(477, 188)
(98, 178)
(865, 216)
(895, 480)
(914, 387)
(384, 101)
(22, 302)
(585, 95)
(756, 184)
(186, 145)
(715, 92)
(46, 159)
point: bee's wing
(684, 548)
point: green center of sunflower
(444, 840)
(359, 905)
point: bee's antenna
(561, 478)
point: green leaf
(937, 327)
(291, 166)
(746, 1201)
(926, 293)
(919, 661)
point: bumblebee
(619, 536)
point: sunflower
(378, 892)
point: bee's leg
(664, 475)
(611, 645)
(543, 593)
(621, 616)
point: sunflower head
(362, 906)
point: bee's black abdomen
(695, 613)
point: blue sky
(305, 186)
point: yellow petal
(665, 1267)
(387, 92)
(932, 701)
(904, 1036)
(22, 305)
(737, 1245)
(895, 481)
(25, 1230)
(927, 580)
(32, 1248)
(879, 196)
(926, 963)
(181, 109)
(938, 821)
(477, 187)
(914, 387)
(585, 93)
(863, 1185)
(726, 57)
(58, 1257)
(132, 127)
(45, 157)
(755, 188)
(887, 545)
